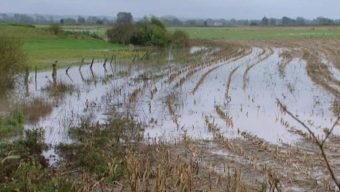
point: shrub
(121, 33)
(151, 32)
(148, 32)
(97, 145)
(11, 61)
(180, 39)
(55, 29)
(23, 168)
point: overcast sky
(239, 9)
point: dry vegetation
(116, 156)
(59, 89)
(229, 82)
(36, 109)
(223, 115)
(12, 61)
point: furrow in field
(316, 54)
(275, 162)
(149, 104)
(296, 89)
(332, 53)
(191, 108)
(327, 53)
(93, 92)
(188, 109)
(319, 73)
(229, 82)
(268, 52)
(246, 113)
(204, 76)
(225, 116)
(286, 57)
(218, 60)
(331, 71)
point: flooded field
(227, 103)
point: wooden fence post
(35, 77)
(81, 63)
(104, 65)
(91, 63)
(54, 72)
(27, 74)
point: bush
(121, 33)
(151, 32)
(23, 168)
(11, 61)
(97, 145)
(148, 32)
(55, 29)
(180, 39)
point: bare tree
(319, 142)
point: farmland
(43, 48)
(238, 33)
(260, 33)
(243, 109)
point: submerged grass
(23, 168)
(36, 109)
(109, 157)
(99, 150)
(59, 89)
(336, 107)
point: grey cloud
(240, 9)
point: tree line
(150, 31)
(47, 19)
(265, 21)
(168, 20)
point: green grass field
(259, 33)
(43, 48)
(100, 30)
(237, 33)
(41, 53)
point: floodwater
(251, 103)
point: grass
(108, 158)
(100, 30)
(259, 33)
(43, 47)
(11, 126)
(59, 89)
(235, 33)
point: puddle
(168, 111)
(334, 72)
(196, 49)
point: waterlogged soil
(227, 105)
